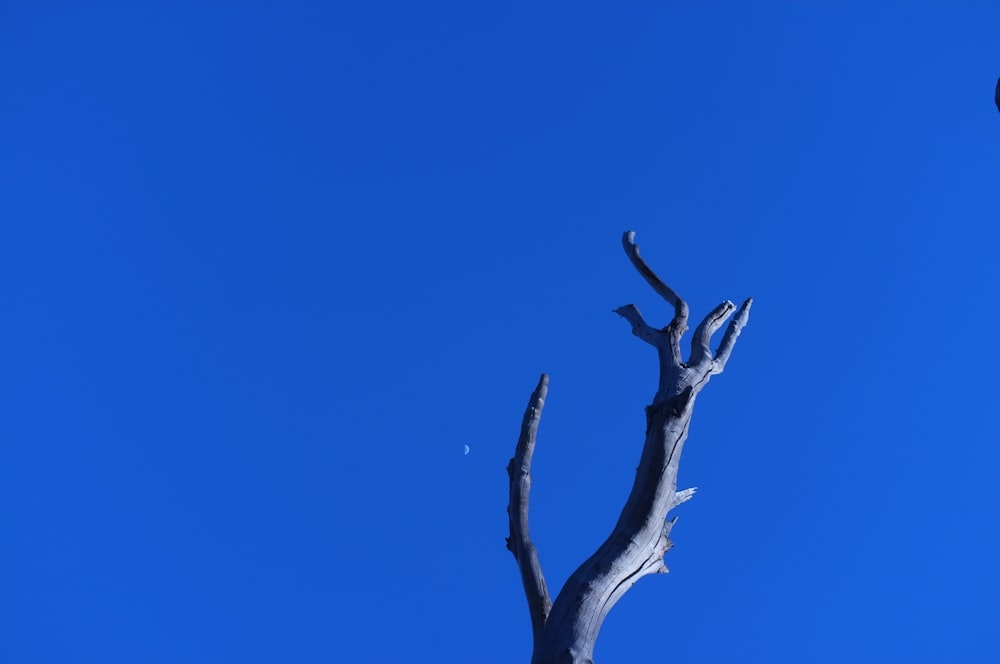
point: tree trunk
(565, 632)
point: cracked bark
(564, 632)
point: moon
(466, 449)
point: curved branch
(665, 291)
(519, 543)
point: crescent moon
(466, 449)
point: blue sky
(266, 268)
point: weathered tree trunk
(565, 632)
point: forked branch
(667, 340)
(702, 338)
(565, 631)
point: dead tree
(564, 632)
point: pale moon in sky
(466, 449)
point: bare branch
(702, 339)
(668, 526)
(650, 335)
(682, 496)
(732, 332)
(665, 291)
(565, 630)
(519, 542)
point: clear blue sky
(266, 268)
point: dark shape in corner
(996, 95)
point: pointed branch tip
(682, 497)
(519, 543)
(736, 326)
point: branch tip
(736, 326)
(702, 339)
(519, 542)
(682, 497)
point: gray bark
(564, 632)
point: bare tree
(564, 632)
